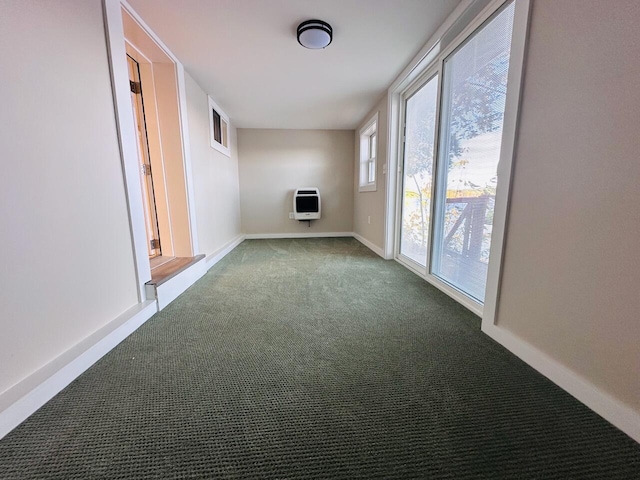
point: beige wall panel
(571, 284)
(273, 163)
(370, 206)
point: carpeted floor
(314, 359)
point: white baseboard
(24, 398)
(369, 245)
(168, 291)
(617, 413)
(222, 252)
(264, 236)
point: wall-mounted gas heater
(306, 204)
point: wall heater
(306, 204)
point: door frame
(427, 76)
(114, 28)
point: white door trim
(126, 134)
(127, 138)
(505, 164)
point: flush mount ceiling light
(314, 34)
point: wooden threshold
(155, 262)
(170, 269)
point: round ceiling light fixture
(314, 34)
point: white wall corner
(615, 412)
(374, 248)
(224, 251)
(24, 398)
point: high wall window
(218, 128)
(368, 155)
(452, 134)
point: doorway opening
(161, 205)
(158, 164)
(153, 77)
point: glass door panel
(420, 126)
(474, 93)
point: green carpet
(314, 359)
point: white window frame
(424, 78)
(429, 62)
(224, 127)
(368, 158)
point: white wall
(215, 177)
(571, 281)
(65, 241)
(273, 163)
(372, 204)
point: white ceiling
(244, 53)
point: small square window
(368, 155)
(218, 128)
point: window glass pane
(420, 120)
(217, 134)
(374, 146)
(364, 159)
(225, 128)
(474, 92)
(372, 157)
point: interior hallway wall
(66, 245)
(273, 163)
(215, 177)
(571, 281)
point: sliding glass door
(417, 183)
(447, 204)
(474, 92)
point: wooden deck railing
(472, 220)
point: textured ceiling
(244, 53)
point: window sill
(367, 188)
(224, 150)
